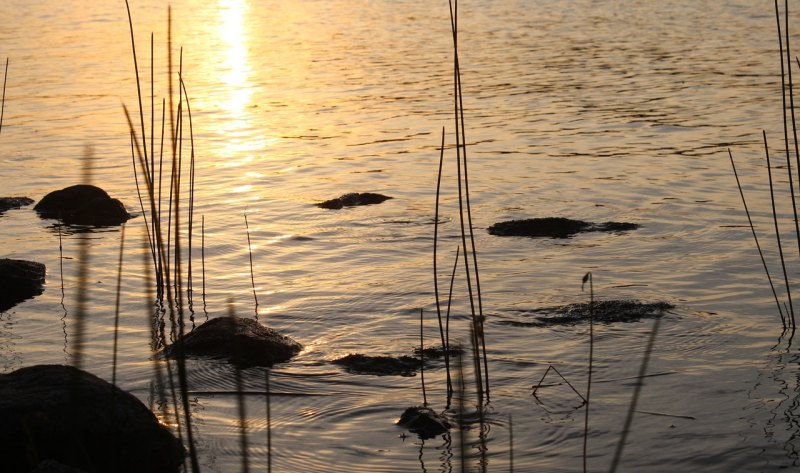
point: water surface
(595, 110)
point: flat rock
(19, 280)
(244, 342)
(57, 416)
(424, 422)
(83, 205)
(379, 365)
(610, 311)
(8, 203)
(353, 199)
(555, 227)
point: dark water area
(599, 111)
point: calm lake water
(595, 110)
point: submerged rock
(602, 311)
(438, 352)
(555, 227)
(52, 466)
(75, 419)
(244, 342)
(353, 199)
(83, 205)
(424, 422)
(19, 280)
(379, 365)
(8, 203)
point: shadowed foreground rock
(424, 422)
(19, 280)
(83, 205)
(603, 311)
(244, 342)
(8, 203)
(352, 200)
(60, 413)
(357, 363)
(555, 227)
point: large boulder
(59, 415)
(353, 199)
(83, 204)
(243, 342)
(19, 280)
(555, 227)
(8, 203)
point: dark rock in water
(379, 365)
(244, 342)
(71, 417)
(555, 227)
(424, 422)
(602, 311)
(437, 352)
(8, 203)
(19, 280)
(83, 205)
(354, 199)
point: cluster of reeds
(161, 211)
(785, 306)
(470, 256)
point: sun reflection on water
(236, 77)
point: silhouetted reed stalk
(203, 260)
(250, 254)
(462, 441)
(551, 367)
(81, 297)
(116, 306)
(422, 359)
(464, 206)
(153, 321)
(269, 422)
(445, 346)
(755, 238)
(588, 277)
(447, 318)
(635, 398)
(778, 234)
(785, 120)
(3, 103)
(240, 404)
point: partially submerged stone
(19, 280)
(424, 422)
(555, 227)
(8, 203)
(610, 311)
(353, 199)
(83, 204)
(244, 342)
(80, 422)
(379, 365)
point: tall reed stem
(778, 234)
